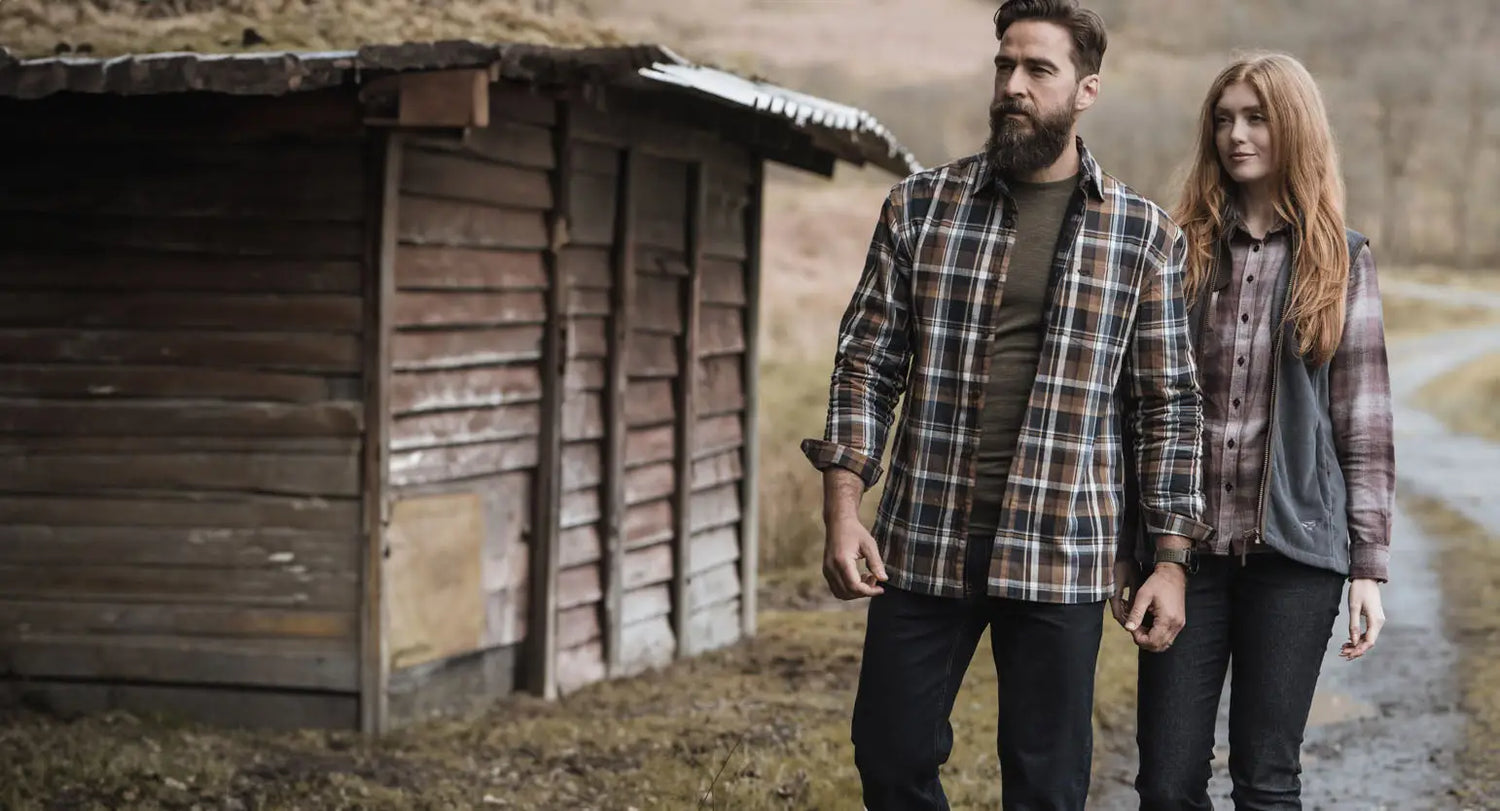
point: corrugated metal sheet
(847, 132)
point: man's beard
(1014, 149)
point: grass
(1469, 565)
(1464, 399)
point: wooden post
(749, 485)
(380, 295)
(623, 301)
(686, 407)
(541, 644)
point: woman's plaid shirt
(1116, 347)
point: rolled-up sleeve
(869, 370)
(1360, 411)
(1167, 418)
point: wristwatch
(1183, 557)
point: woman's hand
(1364, 603)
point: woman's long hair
(1310, 195)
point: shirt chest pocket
(1094, 303)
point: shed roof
(847, 132)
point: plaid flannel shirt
(1116, 347)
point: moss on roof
(33, 28)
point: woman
(1298, 457)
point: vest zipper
(1258, 534)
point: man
(1028, 305)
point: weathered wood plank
(580, 585)
(648, 523)
(691, 298)
(287, 586)
(711, 586)
(584, 375)
(253, 708)
(428, 221)
(595, 158)
(718, 434)
(716, 508)
(662, 203)
(577, 626)
(725, 231)
(338, 161)
(454, 177)
(580, 507)
(583, 416)
(478, 387)
(588, 338)
(586, 302)
(177, 418)
(650, 355)
(648, 566)
(303, 474)
(714, 548)
(468, 309)
(622, 281)
(30, 443)
(723, 331)
(233, 237)
(750, 482)
(721, 385)
(643, 484)
(644, 446)
(463, 686)
(580, 666)
(153, 310)
(579, 546)
(55, 268)
(160, 381)
(648, 402)
(587, 268)
(312, 352)
(712, 471)
(512, 143)
(436, 267)
(657, 306)
(583, 465)
(593, 209)
(465, 427)
(723, 282)
(715, 627)
(287, 664)
(180, 509)
(427, 350)
(45, 546)
(647, 603)
(525, 105)
(452, 463)
(646, 645)
(662, 261)
(78, 615)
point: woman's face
(1243, 136)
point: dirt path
(1385, 730)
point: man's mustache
(1004, 108)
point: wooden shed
(343, 389)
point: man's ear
(1088, 93)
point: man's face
(1038, 97)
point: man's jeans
(1271, 618)
(916, 651)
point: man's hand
(1127, 582)
(1164, 597)
(1364, 603)
(846, 540)
(847, 543)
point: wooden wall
(180, 416)
(466, 400)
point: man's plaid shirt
(1116, 347)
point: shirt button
(1249, 278)
(1242, 363)
(1244, 318)
(1229, 488)
(1231, 443)
(1255, 247)
(1236, 402)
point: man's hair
(1086, 28)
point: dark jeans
(1271, 619)
(916, 651)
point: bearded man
(1029, 308)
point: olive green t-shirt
(1017, 342)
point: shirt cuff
(1369, 561)
(824, 454)
(1163, 523)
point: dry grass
(1464, 399)
(113, 27)
(1411, 317)
(1469, 563)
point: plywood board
(432, 578)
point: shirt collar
(1090, 176)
